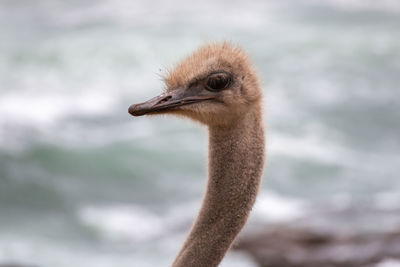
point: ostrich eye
(218, 81)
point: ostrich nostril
(165, 99)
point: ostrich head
(215, 86)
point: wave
(129, 222)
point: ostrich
(218, 87)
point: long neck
(236, 160)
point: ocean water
(82, 183)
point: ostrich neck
(236, 159)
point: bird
(217, 86)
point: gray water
(84, 184)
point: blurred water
(84, 184)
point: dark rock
(286, 246)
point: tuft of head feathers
(208, 58)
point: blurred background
(82, 183)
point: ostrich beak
(171, 100)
